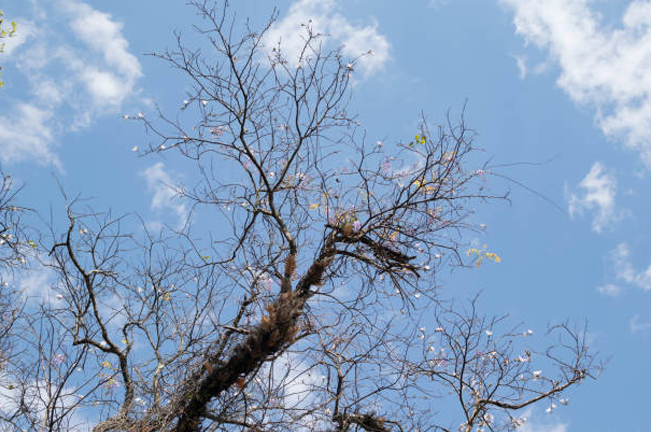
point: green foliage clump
(4, 32)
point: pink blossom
(217, 131)
(385, 166)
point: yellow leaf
(493, 257)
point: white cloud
(112, 310)
(609, 290)
(599, 188)
(104, 87)
(637, 326)
(321, 15)
(26, 134)
(36, 285)
(522, 66)
(121, 69)
(160, 183)
(438, 3)
(625, 271)
(533, 423)
(37, 397)
(78, 68)
(35, 282)
(297, 379)
(525, 69)
(543, 427)
(603, 67)
(19, 38)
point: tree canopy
(309, 300)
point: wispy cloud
(323, 17)
(637, 326)
(16, 395)
(609, 290)
(520, 61)
(36, 283)
(597, 194)
(165, 195)
(533, 422)
(603, 67)
(438, 3)
(543, 427)
(19, 38)
(298, 380)
(624, 270)
(26, 132)
(76, 62)
(525, 69)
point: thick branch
(274, 333)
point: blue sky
(565, 82)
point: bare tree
(10, 226)
(299, 303)
(14, 247)
(11, 256)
